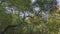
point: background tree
(29, 17)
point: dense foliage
(29, 17)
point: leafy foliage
(23, 19)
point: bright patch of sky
(36, 8)
(26, 14)
(22, 14)
(32, 1)
(58, 3)
(9, 10)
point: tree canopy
(29, 17)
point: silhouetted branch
(9, 26)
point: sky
(32, 1)
(58, 3)
(35, 8)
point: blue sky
(58, 3)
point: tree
(29, 17)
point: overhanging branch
(9, 26)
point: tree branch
(9, 26)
